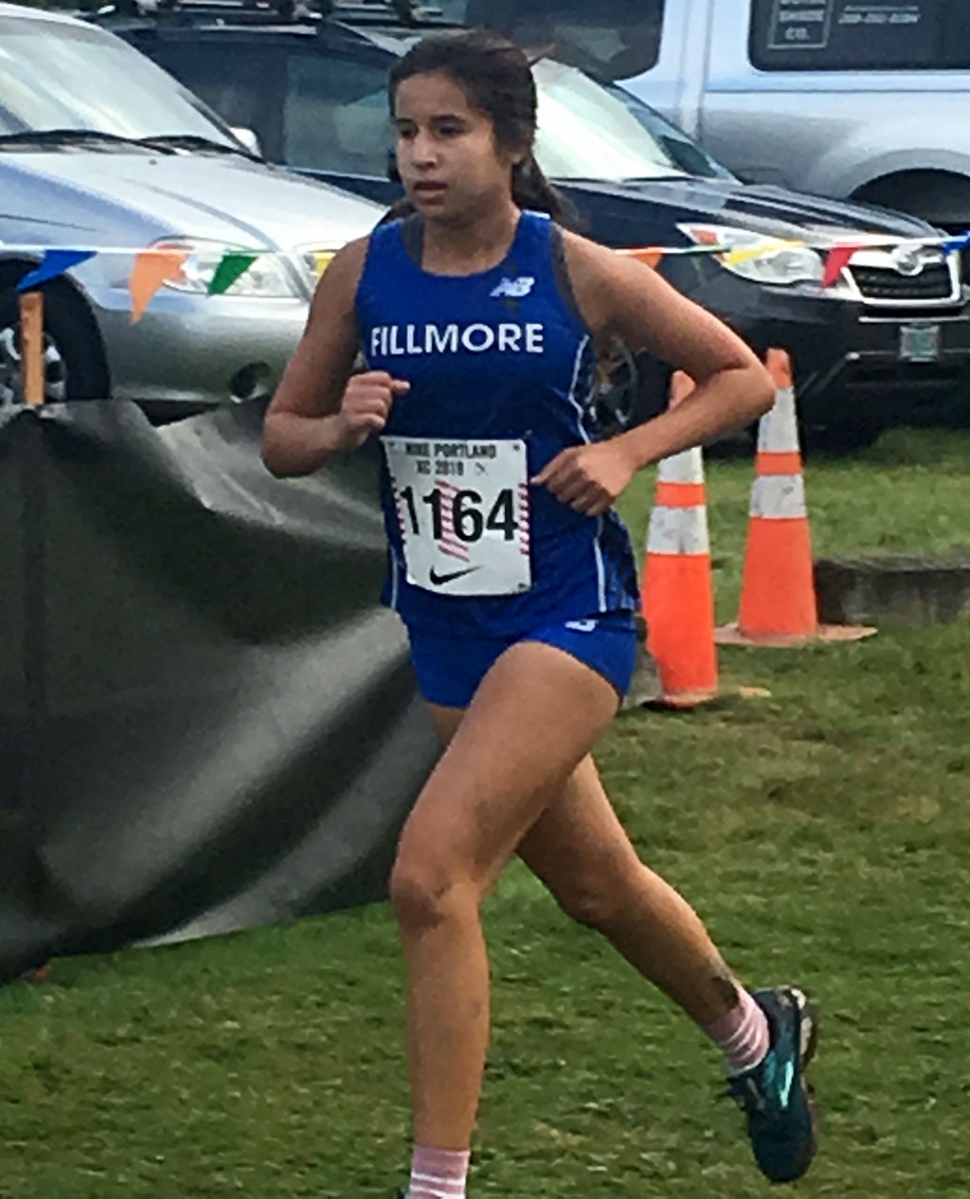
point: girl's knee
(424, 895)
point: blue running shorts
(449, 669)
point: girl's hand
(365, 407)
(589, 477)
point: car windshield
(336, 119)
(687, 154)
(588, 132)
(56, 76)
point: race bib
(463, 510)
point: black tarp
(206, 719)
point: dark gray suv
(890, 341)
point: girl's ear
(518, 156)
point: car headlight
(267, 278)
(760, 259)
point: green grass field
(823, 834)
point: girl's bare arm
(303, 423)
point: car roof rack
(410, 13)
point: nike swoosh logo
(440, 580)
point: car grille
(877, 283)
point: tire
(74, 367)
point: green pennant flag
(235, 263)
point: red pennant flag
(838, 259)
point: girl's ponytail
(531, 189)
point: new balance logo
(581, 626)
(513, 289)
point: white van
(846, 98)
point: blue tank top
(502, 354)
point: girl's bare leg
(580, 850)
(582, 853)
(535, 716)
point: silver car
(102, 150)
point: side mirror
(248, 138)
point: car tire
(75, 366)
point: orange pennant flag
(651, 255)
(152, 268)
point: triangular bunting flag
(235, 263)
(960, 242)
(651, 255)
(152, 268)
(321, 260)
(52, 265)
(765, 245)
(838, 259)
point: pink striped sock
(438, 1173)
(742, 1035)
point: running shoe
(774, 1094)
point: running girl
(480, 320)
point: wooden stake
(32, 346)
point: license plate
(919, 343)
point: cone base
(731, 634)
(681, 701)
(687, 700)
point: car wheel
(632, 389)
(74, 364)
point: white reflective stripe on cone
(685, 467)
(778, 429)
(778, 497)
(678, 531)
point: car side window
(859, 35)
(335, 115)
(609, 39)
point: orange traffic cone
(678, 596)
(778, 605)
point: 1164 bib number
(463, 511)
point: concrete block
(910, 588)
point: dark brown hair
(496, 78)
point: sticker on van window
(800, 24)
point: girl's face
(447, 156)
